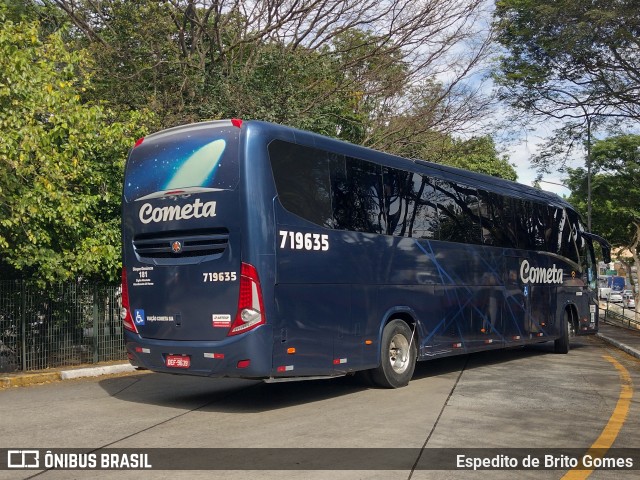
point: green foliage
(141, 62)
(570, 54)
(479, 154)
(61, 161)
(615, 189)
(72, 102)
(299, 88)
(146, 58)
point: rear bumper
(207, 358)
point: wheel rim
(399, 353)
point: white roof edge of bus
(190, 126)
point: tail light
(250, 311)
(125, 312)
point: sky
(520, 154)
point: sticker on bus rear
(139, 318)
(220, 321)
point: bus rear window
(199, 156)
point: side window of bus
(302, 181)
(424, 223)
(458, 213)
(398, 200)
(498, 226)
(567, 237)
(542, 229)
(582, 245)
(409, 204)
(357, 195)
(525, 223)
(557, 223)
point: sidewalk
(622, 338)
(20, 379)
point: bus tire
(561, 345)
(398, 354)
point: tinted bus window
(458, 213)
(302, 180)
(410, 204)
(399, 200)
(357, 195)
(556, 224)
(193, 157)
(582, 245)
(566, 237)
(424, 220)
(524, 223)
(542, 227)
(584, 250)
(497, 220)
(487, 234)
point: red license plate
(178, 361)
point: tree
(570, 55)
(61, 161)
(199, 59)
(615, 191)
(479, 154)
(572, 61)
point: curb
(36, 378)
(97, 371)
(621, 346)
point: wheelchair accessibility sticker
(139, 317)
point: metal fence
(66, 324)
(621, 316)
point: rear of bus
(190, 305)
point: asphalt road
(530, 399)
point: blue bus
(259, 251)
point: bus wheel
(398, 356)
(561, 345)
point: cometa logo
(197, 209)
(529, 274)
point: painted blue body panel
(331, 305)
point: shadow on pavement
(250, 396)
